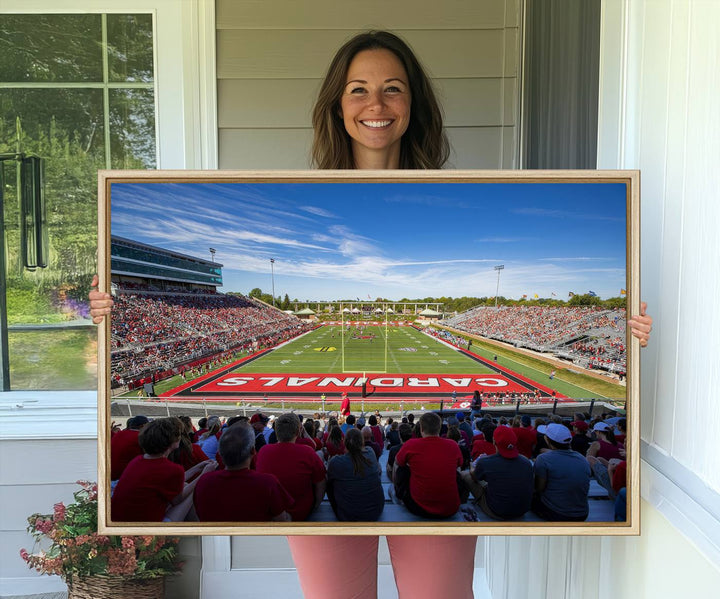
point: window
(77, 90)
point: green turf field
(320, 351)
(312, 353)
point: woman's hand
(100, 303)
(641, 325)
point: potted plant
(95, 565)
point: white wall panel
(349, 14)
(265, 148)
(52, 461)
(260, 552)
(654, 88)
(19, 501)
(460, 99)
(675, 234)
(271, 53)
(475, 147)
(672, 91)
(271, 59)
(11, 564)
(35, 475)
(264, 103)
(699, 325)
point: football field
(376, 362)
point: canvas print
(317, 352)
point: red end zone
(225, 385)
(382, 386)
(385, 383)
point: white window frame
(185, 88)
(186, 138)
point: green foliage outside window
(82, 105)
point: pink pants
(425, 567)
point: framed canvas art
(366, 352)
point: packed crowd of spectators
(154, 331)
(267, 468)
(592, 336)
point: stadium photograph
(494, 312)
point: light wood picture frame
(544, 235)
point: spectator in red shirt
(152, 488)
(378, 434)
(298, 468)
(305, 438)
(334, 444)
(188, 454)
(481, 447)
(526, 436)
(124, 446)
(426, 471)
(605, 447)
(239, 494)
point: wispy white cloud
(575, 259)
(505, 239)
(353, 256)
(317, 211)
(422, 199)
(549, 213)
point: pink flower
(128, 543)
(59, 512)
(43, 526)
(53, 565)
(24, 555)
(121, 562)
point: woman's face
(375, 105)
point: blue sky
(391, 240)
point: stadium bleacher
(155, 331)
(590, 337)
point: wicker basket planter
(116, 587)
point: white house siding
(271, 58)
(46, 445)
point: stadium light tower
(499, 267)
(272, 277)
(212, 253)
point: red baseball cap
(505, 440)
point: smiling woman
(375, 108)
(375, 78)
